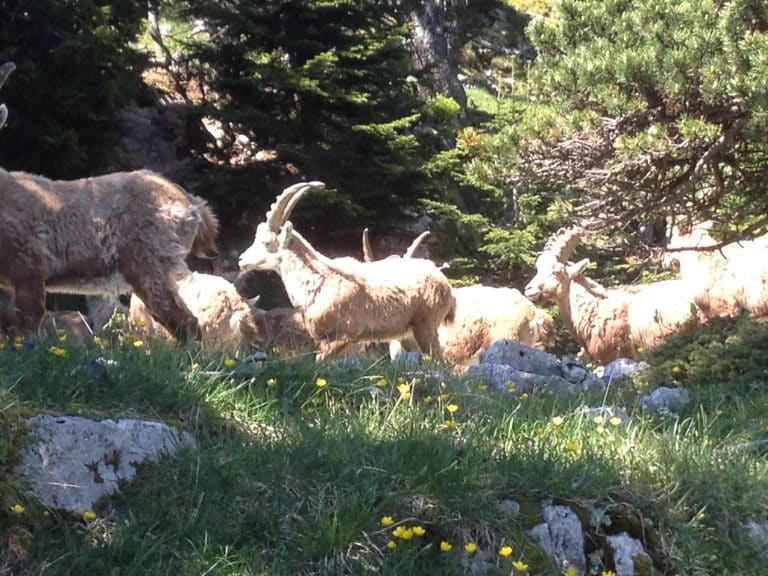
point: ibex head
(263, 254)
(5, 71)
(552, 268)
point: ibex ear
(577, 268)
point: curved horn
(3, 115)
(308, 187)
(562, 244)
(286, 201)
(367, 250)
(416, 244)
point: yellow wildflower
(387, 520)
(700, 516)
(483, 387)
(275, 350)
(138, 343)
(89, 515)
(407, 533)
(600, 430)
(321, 382)
(17, 509)
(511, 386)
(271, 382)
(520, 566)
(419, 531)
(426, 357)
(506, 551)
(382, 383)
(428, 399)
(445, 546)
(598, 420)
(450, 424)
(99, 341)
(572, 571)
(398, 532)
(558, 420)
(444, 397)
(452, 408)
(405, 390)
(608, 573)
(539, 431)
(573, 447)
(61, 334)
(524, 396)
(470, 547)
(615, 421)
(230, 362)
(56, 351)
(391, 544)
(141, 323)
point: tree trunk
(430, 49)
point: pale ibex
(726, 279)
(484, 314)
(344, 301)
(104, 235)
(609, 323)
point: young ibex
(344, 301)
(225, 318)
(484, 314)
(104, 235)
(609, 323)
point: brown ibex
(609, 323)
(484, 314)
(103, 235)
(344, 301)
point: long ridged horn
(416, 244)
(562, 244)
(367, 250)
(286, 201)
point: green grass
(293, 478)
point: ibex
(344, 301)
(226, 319)
(128, 231)
(484, 314)
(726, 280)
(609, 323)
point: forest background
(499, 120)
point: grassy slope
(294, 478)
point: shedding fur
(111, 234)
(610, 323)
(345, 301)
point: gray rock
(522, 358)
(620, 368)
(665, 399)
(624, 549)
(561, 536)
(75, 461)
(503, 378)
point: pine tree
(75, 69)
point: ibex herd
(131, 232)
